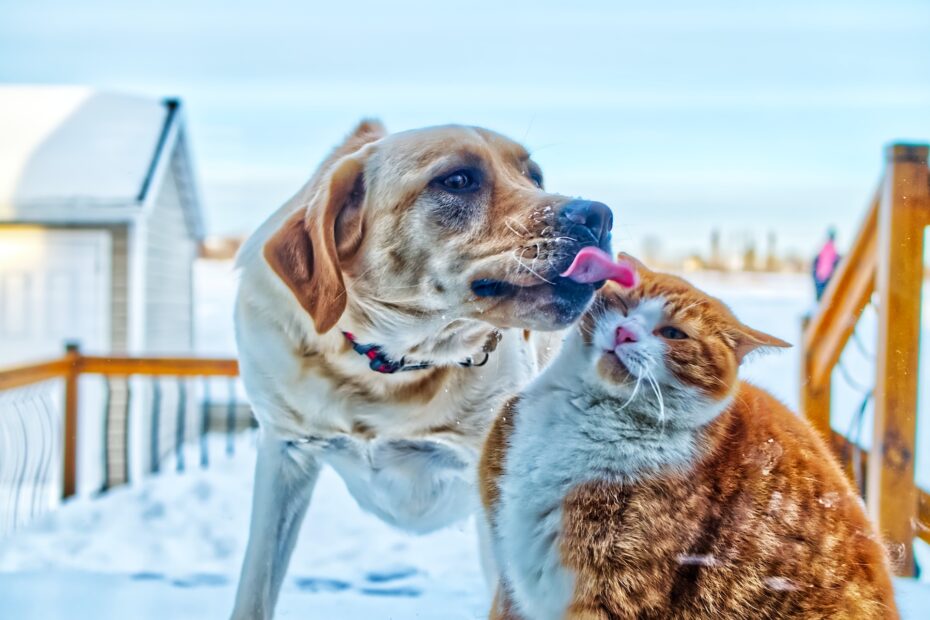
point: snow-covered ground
(170, 547)
(175, 543)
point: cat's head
(665, 346)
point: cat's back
(764, 526)
(807, 496)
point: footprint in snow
(407, 591)
(200, 579)
(390, 574)
(319, 584)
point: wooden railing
(886, 259)
(74, 365)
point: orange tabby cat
(637, 477)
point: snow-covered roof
(72, 154)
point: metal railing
(174, 401)
(886, 262)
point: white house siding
(119, 297)
(169, 256)
(169, 253)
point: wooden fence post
(815, 399)
(892, 493)
(826, 332)
(70, 426)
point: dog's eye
(536, 178)
(460, 181)
(672, 333)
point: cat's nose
(625, 335)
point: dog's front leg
(486, 552)
(284, 479)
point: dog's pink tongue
(594, 265)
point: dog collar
(379, 361)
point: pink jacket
(826, 260)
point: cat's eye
(672, 333)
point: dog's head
(449, 222)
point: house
(100, 222)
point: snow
(178, 540)
(171, 546)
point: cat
(638, 477)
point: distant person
(825, 264)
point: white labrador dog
(384, 314)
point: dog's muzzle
(581, 223)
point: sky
(748, 117)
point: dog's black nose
(595, 216)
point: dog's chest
(410, 459)
(412, 466)
(417, 484)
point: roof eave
(173, 140)
(61, 212)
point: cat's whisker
(639, 380)
(658, 392)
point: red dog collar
(380, 362)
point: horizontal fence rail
(173, 402)
(34, 373)
(159, 366)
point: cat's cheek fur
(646, 358)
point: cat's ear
(641, 268)
(749, 339)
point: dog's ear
(308, 251)
(368, 130)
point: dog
(383, 315)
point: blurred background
(140, 142)
(746, 118)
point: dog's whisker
(530, 269)
(511, 228)
(509, 224)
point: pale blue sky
(747, 116)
